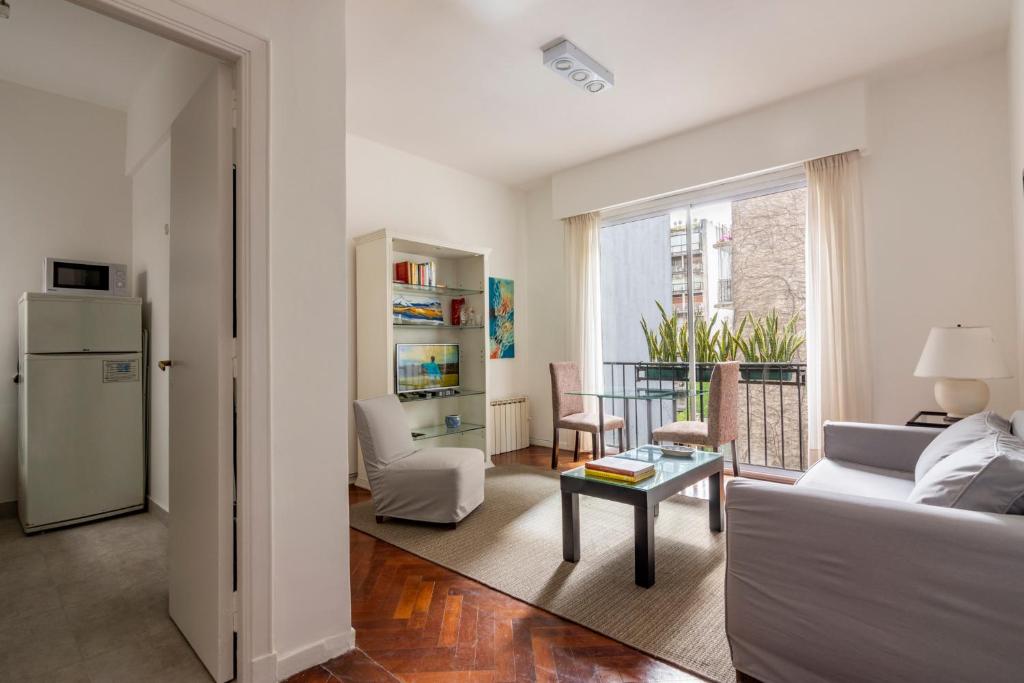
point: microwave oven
(85, 277)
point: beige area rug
(513, 543)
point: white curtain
(583, 302)
(839, 375)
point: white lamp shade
(961, 353)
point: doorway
(102, 579)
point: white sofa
(839, 578)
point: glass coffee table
(673, 474)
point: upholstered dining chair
(721, 426)
(569, 412)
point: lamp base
(961, 397)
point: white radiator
(510, 425)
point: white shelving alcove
(460, 272)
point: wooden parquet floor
(418, 622)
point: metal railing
(725, 290)
(723, 234)
(772, 410)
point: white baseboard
(158, 511)
(317, 653)
(263, 669)
(362, 483)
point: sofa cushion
(958, 435)
(1017, 424)
(986, 476)
(442, 484)
(840, 476)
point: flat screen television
(426, 367)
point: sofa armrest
(823, 586)
(890, 447)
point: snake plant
(767, 342)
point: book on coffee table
(620, 478)
(620, 469)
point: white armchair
(440, 485)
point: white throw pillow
(1017, 424)
(956, 436)
(987, 476)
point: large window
(727, 264)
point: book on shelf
(622, 478)
(410, 273)
(622, 466)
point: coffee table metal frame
(644, 501)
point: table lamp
(961, 358)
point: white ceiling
(461, 81)
(61, 48)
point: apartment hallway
(419, 622)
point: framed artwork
(417, 310)
(502, 320)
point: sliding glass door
(709, 276)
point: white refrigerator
(81, 440)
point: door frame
(250, 56)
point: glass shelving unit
(428, 289)
(420, 433)
(446, 326)
(462, 392)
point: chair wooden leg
(735, 458)
(554, 450)
(576, 449)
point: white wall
(808, 126)
(1015, 53)
(937, 215)
(311, 606)
(159, 99)
(413, 196)
(63, 192)
(936, 200)
(151, 214)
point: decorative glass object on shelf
(470, 318)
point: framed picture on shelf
(409, 309)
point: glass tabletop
(667, 466)
(638, 393)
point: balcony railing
(723, 236)
(772, 407)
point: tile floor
(88, 604)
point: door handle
(164, 364)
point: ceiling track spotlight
(578, 67)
